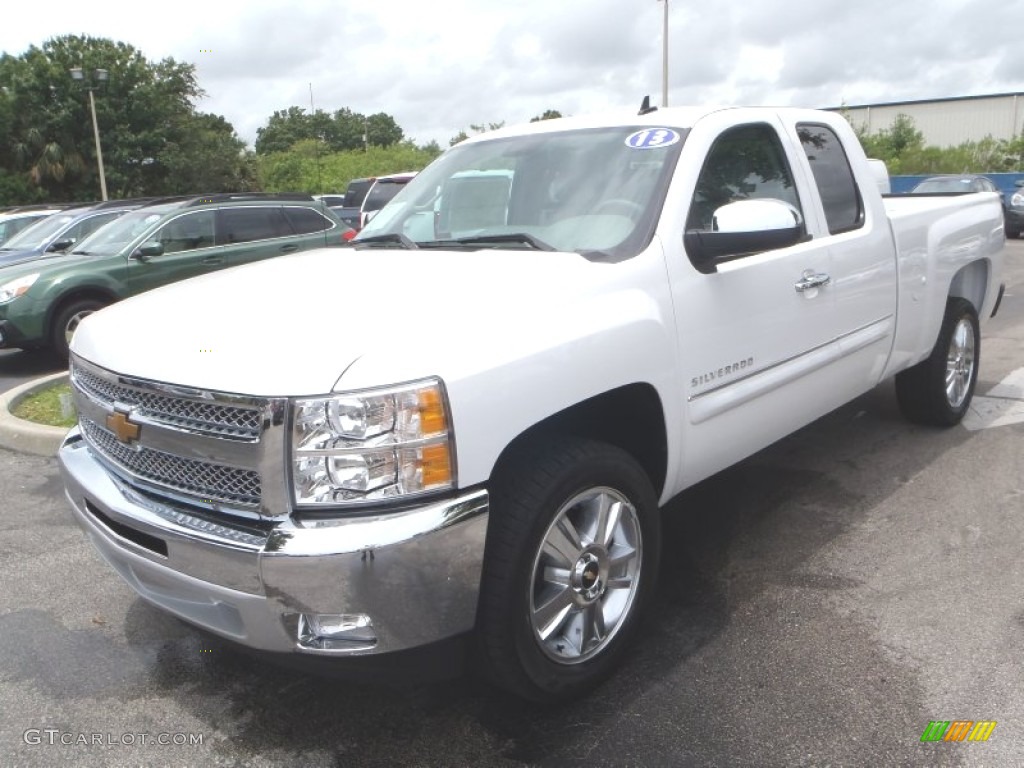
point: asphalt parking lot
(820, 604)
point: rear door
(254, 233)
(862, 254)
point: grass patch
(44, 407)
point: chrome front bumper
(415, 573)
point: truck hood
(293, 325)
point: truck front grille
(207, 418)
(205, 481)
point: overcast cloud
(442, 65)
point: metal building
(947, 122)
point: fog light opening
(336, 632)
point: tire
(66, 321)
(549, 581)
(938, 391)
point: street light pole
(101, 76)
(664, 58)
(99, 151)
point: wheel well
(970, 283)
(96, 294)
(630, 417)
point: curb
(27, 436)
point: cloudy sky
(438, 66)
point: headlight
(372, 445)
(1017, 201)
(11, 290)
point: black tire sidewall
(526, 669)
(60, 322)
(958, 309)
(922, 389)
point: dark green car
(43, 300)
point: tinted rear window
(839, 194)
(243, 225)
(356, 192)
(306, 220)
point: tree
(208, 157)
(146, 118)
(342, 130)
(549, 114)
(476, 128)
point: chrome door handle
(811, 279)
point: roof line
(924, 101)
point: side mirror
(742, 228)
(61, 245)
(148, 250)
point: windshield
(118, 234)
(594, 191)
(39, 234)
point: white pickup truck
(465, 426)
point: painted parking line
(1001, 406)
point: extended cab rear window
(840, 197)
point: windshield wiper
(520, 238)
(392, 237)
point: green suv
(43, 300)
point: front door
(189, 249)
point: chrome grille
(209, 418)
(203, 480)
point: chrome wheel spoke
(960, 363)
(552, 614)
(557, 576)
(563, 542)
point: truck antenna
(645, 106)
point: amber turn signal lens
(436, 466)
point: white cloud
(439, 66)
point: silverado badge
(126, 431)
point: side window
(306, 220)
(187, 232)
(745, 163)
(89, 225)
(243, 225)
(844, 209)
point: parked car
(968, 182)
(331, 201)
(1014, 211)
(60, 231)
(43, 301)
(365, 197)
(15, 220)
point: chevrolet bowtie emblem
(125, 430)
